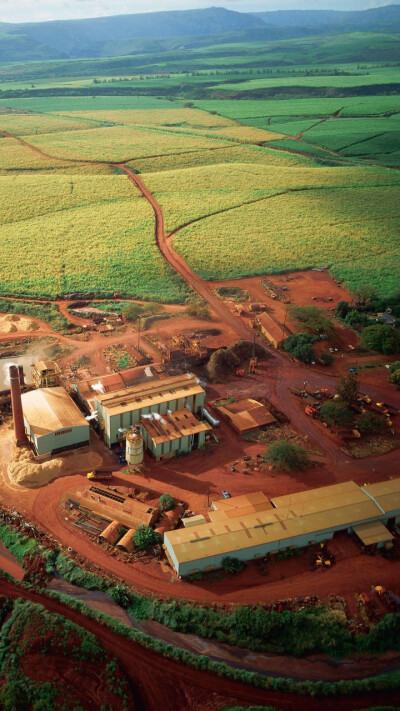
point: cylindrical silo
(134, 446)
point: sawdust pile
(11, 323)
(24, 471)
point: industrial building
(273, 332)
(292, 521)
(116, 507)
(111, 382)
(52, 421)
(178, 431)
(46, 373)
(120, 410)
(245, 415)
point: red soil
(162, 683)
(192, 481)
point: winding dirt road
(161, 683)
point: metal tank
(134, 446)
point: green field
(352, 230)
(258, 184)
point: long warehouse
(292, 521)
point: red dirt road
(161, 683)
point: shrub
(232, 565)
(342, 309)
(381, 338)
(326, 359)
(145, 537)
(394, 371)
(371, 423)
(167, 502)
(285, 455)
(197, 311)
(336, 413)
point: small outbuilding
(275, 333)
(177, 432)
(53, 423)
(246, 415)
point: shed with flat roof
(245, 415)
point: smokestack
(21, 375)
(19, 429)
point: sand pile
(6, 327)
(12, 322)
(24, 471)
(26, 324)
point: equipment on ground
(99, 475)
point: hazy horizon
(46, 10)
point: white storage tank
(134, 446)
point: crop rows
(118, 143)
(186, 195)
(104, 247)
(354, 230)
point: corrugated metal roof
(253, 499)
(263, 527)
(51, 409)
(246, 414)
(272, 329)
(334, 491)
(150, 394)
(373, 532)
(181, 423)
(386, 494)
(46, 364)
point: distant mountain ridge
(317, 18)
(126, 34)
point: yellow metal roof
(222, 537)
(49, 410)
(385, 493)
(181, 423)
(334, 492)
(147, 394)
(239, 506)
(373, 532)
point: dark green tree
(356, 318)
(394, 371)
(381, 338)
(342, 309)
(336, 413)
(221, 364)
(286, 455)
(145, 537)
(348, 389)
(326, 359)
(371, 423)
(167, 502)
(299, 345)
